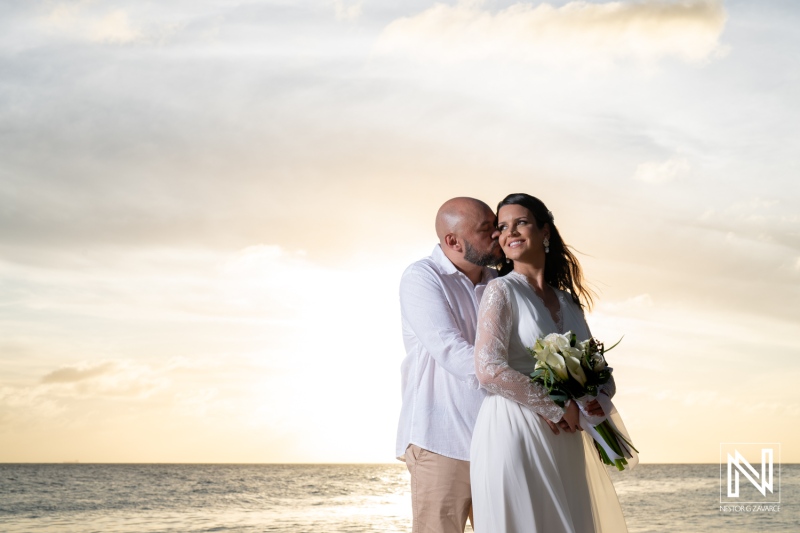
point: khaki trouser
(440, 493)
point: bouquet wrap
(625, 454)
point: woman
(526, 477)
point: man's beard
(477, 258)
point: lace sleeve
(491, 356)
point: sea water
(332, 498)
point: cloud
(59, 394)
(74, 374)
(672, 169)
(115, 379)
(345, 11)
(771, 223)
(79, 21)
(113, 28)
(200, 403)
(576, 33)
(142, 288)
(636, 303)
(23, 405)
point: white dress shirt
(441, 394)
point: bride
(526, 477)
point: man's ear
(451, 241)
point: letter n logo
(738, 464)
(742, 480)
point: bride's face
(520, 238)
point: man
(439, 300)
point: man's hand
(594, 408)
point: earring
(546, 243)
(508, 260)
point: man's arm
(425, 309)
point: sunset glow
(207, 207)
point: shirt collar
(446, 267)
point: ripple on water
(344, 498)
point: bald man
(439, 300)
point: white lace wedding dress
(524, 478)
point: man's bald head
(455, 212)
(466, 231)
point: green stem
(609, 435)
(615, 345)
(627, 442)
(603, 454)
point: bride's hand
(553, 427)
(570, 421)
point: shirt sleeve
(495, 322)
(425, 308)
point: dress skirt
(525, 479)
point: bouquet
(569, 369)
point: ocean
(161, 498)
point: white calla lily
(540, 352)
(556, 362)
(574, 366)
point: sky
(206, 207)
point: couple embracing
(480, 440)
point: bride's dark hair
(561, 268)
